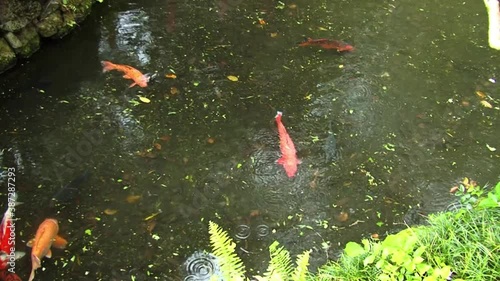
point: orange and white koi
(45, 238)
(130, 73)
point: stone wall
(24, 23)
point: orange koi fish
(327, 44)
(288, 157)
(46, 237)
(130, 73)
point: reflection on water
(382, 132)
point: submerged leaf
(486, 104)
(110, 212)
(480, 94)
(144, 99)
(232, 78)
(133, 198)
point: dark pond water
(382, 132)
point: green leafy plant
(399, 257)
(493, 199)
(223, 248)
(280, 266)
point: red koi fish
(288, 157)
(130, 73)
(6, 275)
(8, 255)
(45, 238)
(6, 241)
(327, 44)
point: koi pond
(383, 132)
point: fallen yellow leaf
(152, 216)
(486, 104)
(110, 212)
(144, 100)
(171, 76)
(232, 78)
(480, 94)
(274, 34)
(133, 198)
(174, 90)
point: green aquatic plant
(462, 243)
(280, 266)
(223, 248)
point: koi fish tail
(107, 66)
(36, 264)
(278, 116)
(32, 275)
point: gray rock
(7, 56)
(24, 42)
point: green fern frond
(300, 273)
(223, 248)
(280, 265)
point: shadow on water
(382, 132)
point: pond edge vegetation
(460, 244)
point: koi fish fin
(49, 254)
(35, 264)
(59, 242)
(281, 161)
(30, 243)
(19, 254)
(107, 65)
(132, 85)
(126, 76)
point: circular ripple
(262, 230)
(200, 267)
(242, 231)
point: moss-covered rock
(49, 7)
(15, 15)
(50, 25)
(24, 42)
(69, 23)
(7, 56)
